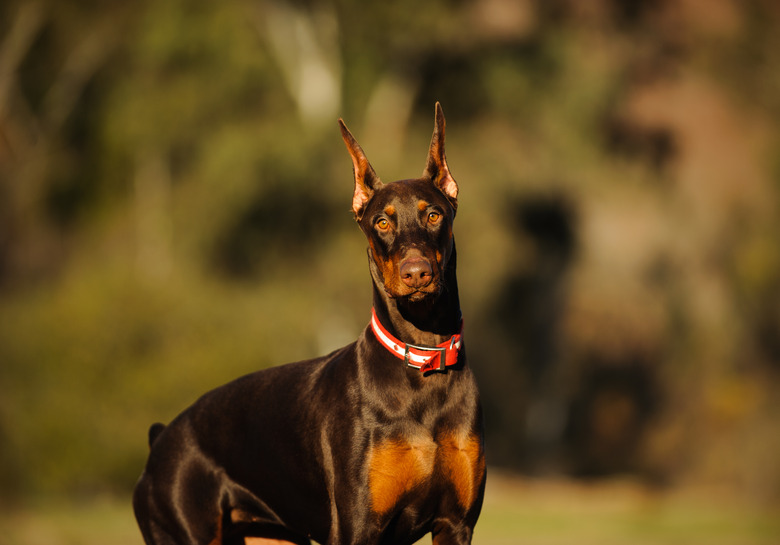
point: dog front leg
(446, 532)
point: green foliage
(174, 212)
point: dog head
(408, 223)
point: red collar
(424, 358)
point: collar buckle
(442, 350)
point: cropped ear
(366, 180)
(437, 169)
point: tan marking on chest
(462, 458)
(395, 467)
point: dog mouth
(415, 294)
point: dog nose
(416, 272)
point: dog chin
(416, 296)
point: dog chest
(400, 465)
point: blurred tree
(174, 212)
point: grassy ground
(515, 512)
(552, 513)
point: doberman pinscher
(379, 442)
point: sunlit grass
(93, 522)
(546, 512)
(516, 511)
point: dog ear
(437, 169)
(366, 180)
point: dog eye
(382, 224)
(434, 217)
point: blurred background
(175, 212)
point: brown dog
(379, 442)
